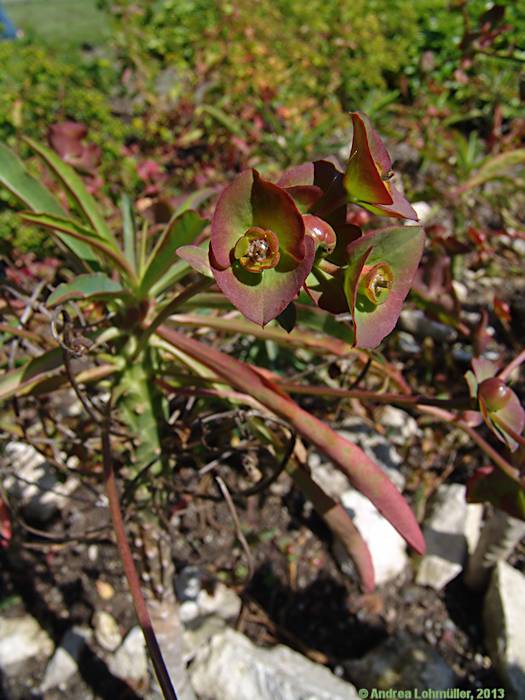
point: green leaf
(163, 267)
(22, 379)
(78, 232)
(493, 168)
(197, 258)
(93, 286)
(15, 178)
(129, 230)
(181, 231)
(73, 183)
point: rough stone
(504, 623)
(64, 662)
(401, 662)
(130, 662)
(223, 601)
(387, 547)
(399, 424)
(376, 447)
(230, 667)
(107, 632)
(21, 639)
(32, 481)
(445, 534)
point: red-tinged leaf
(197, 258)
(368, 165)
(261, 297)
(489, 485)
(6, 531)
(398, 250)
(340, 523)
(364, 474)
(316, 187)
(368, 174)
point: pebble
(107, 631)
(21, 639)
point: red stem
(130, 570)
(516, 362)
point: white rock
(22, 638)
(376, 446)
(33, 482)
(64, 663)
(223, 602)
(107, 632)
(399, 424)
(230, 667)
(504, 622)
(130, 661)
(473, 526)
(387, 547)
(423, 211)
(188, 611)
(445, 536)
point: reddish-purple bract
(399, 250)
(261, 292)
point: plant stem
(516, 362)
(379, 397)
(168, 310)
(130, 570)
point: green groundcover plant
(282, 254)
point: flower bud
(494, 393)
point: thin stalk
(379, 397)
(516, 362)
(130, 570)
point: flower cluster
(270, 241)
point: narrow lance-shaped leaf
(364, 474)
(15, 178)
(35, 370)
(94, 286)
(180, 232)
(98, 245)
(129, 230)
(339, 522)
(76, 188)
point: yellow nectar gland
(375, 283)
(257, 249)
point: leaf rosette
(260, 254)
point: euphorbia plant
(281, 252)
